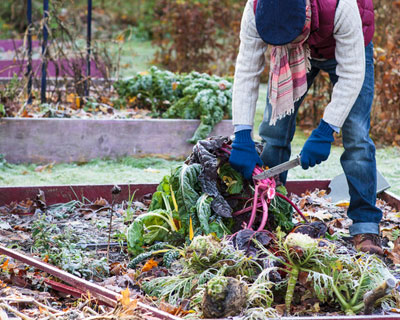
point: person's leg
(358, 160)
(277, 138)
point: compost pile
(207, 244)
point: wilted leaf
(116, 268)
(176, 311)
(302, 203)
(342, 204)
(47, 167)
(4, 266)
(321, 193)
(101, 202)
(125, 299)
(320, 214)
(150, 264)
(394, 255)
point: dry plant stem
(101, 317)
(16, 312)
(54, 315)
(102, 309)
(3, 315)
(30, 301)
(372, 296)
(83, 304)
(110, 228)
(109, 235)
(89, 310)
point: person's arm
(350, 57)
(250, 64)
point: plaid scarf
(288, 72)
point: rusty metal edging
(65, 193)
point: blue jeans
(358, 158)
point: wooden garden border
(68, 140)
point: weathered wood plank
(69, 140)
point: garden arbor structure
(45, 33)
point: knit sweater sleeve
(350, 58)
(250, 64)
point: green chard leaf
(231, 178)
(282, 211)
(135, 238)
(146, 229)
(203, 210)
(187, 190)
(163, 189)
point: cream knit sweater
(349, 54)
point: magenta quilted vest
(321, 39)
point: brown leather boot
(368, 242)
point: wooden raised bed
(69, 140)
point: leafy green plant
(185, 96)
(2, 110)
(59, 246)
(281, 211)
(201, 261)
(9, 93)
(3, 162)
(130, 210)
(178, 211)
(348, 279)
(232, 178)
(260, 292)
(177, 287)
(339, 278)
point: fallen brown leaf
(101, 202)
(150, 264)
(394, 255)
(125, 299)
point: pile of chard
(205, 195)
(265, 191)
(221, 236)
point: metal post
(29, 68)
(44, 49)
(88, 46)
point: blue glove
(318, 146)
(244, 156)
